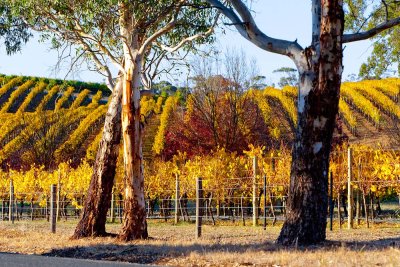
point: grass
(222, 245)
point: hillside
(369, 112)
(46, 121)
(49, 121)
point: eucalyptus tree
(13, 31)
(386, 47)
(320, 69)
(120, 33)
(288, 78)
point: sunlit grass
(223, 245)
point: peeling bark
(93, 220)
(134, 220)
(134, 225)
(318, 104)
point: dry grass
(220, 246)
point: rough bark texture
(320, 69)
(134, 220)
(318, 104)
(97, 203)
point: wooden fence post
(255, 209)
(58, 194)
(2, 209)
(199, 205)
(242, 211)
(11, 204)
(176, 198)
(53, 208)
(265, 202)
(358, 195)
(349, 189)
(112, 213)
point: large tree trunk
(318, 104)
(134, 218)
(93, 220)
(134, 221)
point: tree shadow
(156, 250)
(365, 245)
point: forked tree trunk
(94, 215)
(134, 221)
(318, 104)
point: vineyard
(188, 152)
(232, 185)
(50, 132)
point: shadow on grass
(155, 250)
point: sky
(284, 19)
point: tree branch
(386, 9)
(190, 38)
(170, 25)
(80, 40)
(79, 31)
(247, 27)
(157, 34)
(353, 37)
(101, 67)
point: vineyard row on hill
(75, 123)
(78, 85)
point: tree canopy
(93, 27)
(288, 78)
(13, 30)
(366, 15)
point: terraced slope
(48, 121)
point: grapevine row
(15, 144)
(79, 99)
(287, 102)
(55, 122)
(54, 90)
(11, 84)
(266, 111)
(80, 133)
(95, 100)
(168, 108)
(378, 97)
(36, 90)
(14, 95)
(362, 103)
(12, 123)
(347, 114)
(64, 98)
(391, 87)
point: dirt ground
(222, 245)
